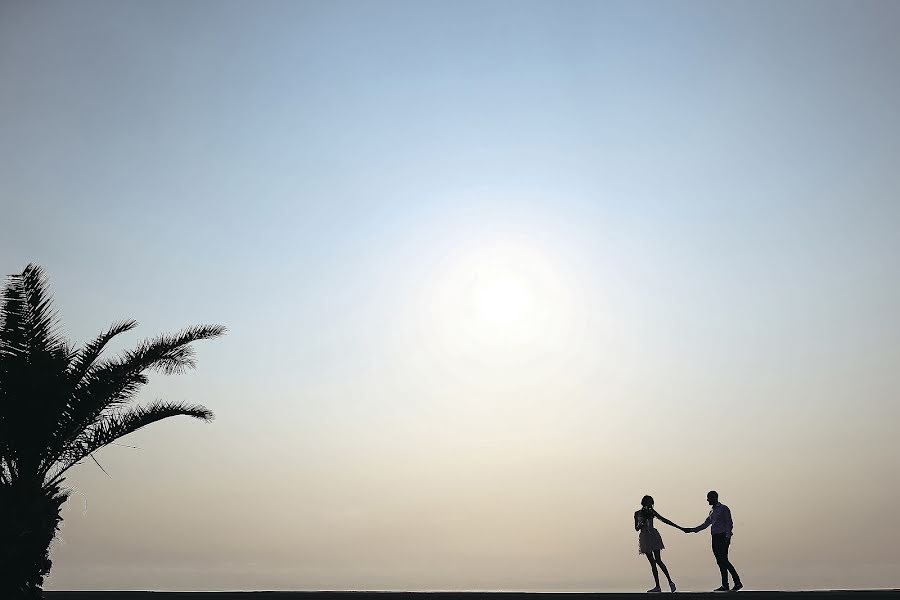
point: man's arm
(709, 521)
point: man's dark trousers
(720, 543)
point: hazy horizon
(492, 271)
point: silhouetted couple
(650, 542)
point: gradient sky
(492, 271)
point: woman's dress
(649, 539)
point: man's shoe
(724, 588)
(737, 586)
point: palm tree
(58, 405)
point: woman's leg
(658, 555)
(653, 568)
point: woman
(649, 541)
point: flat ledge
(375, 595)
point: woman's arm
(665, 520)
(638, 521)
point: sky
(492, 271)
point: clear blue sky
(699, 200)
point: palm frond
(12, 356)
(41, 324)
(102, 390)
(77, 406)
(114, 426)
(110, 384)
(170, 354)
(12, 318)
(86, 356)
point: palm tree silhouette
(58, 405)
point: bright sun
(499, 301)
(502, 299)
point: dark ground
(745, 595)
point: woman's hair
(647, 501)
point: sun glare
(502, 299)
(499, 302)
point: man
(719, 521)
